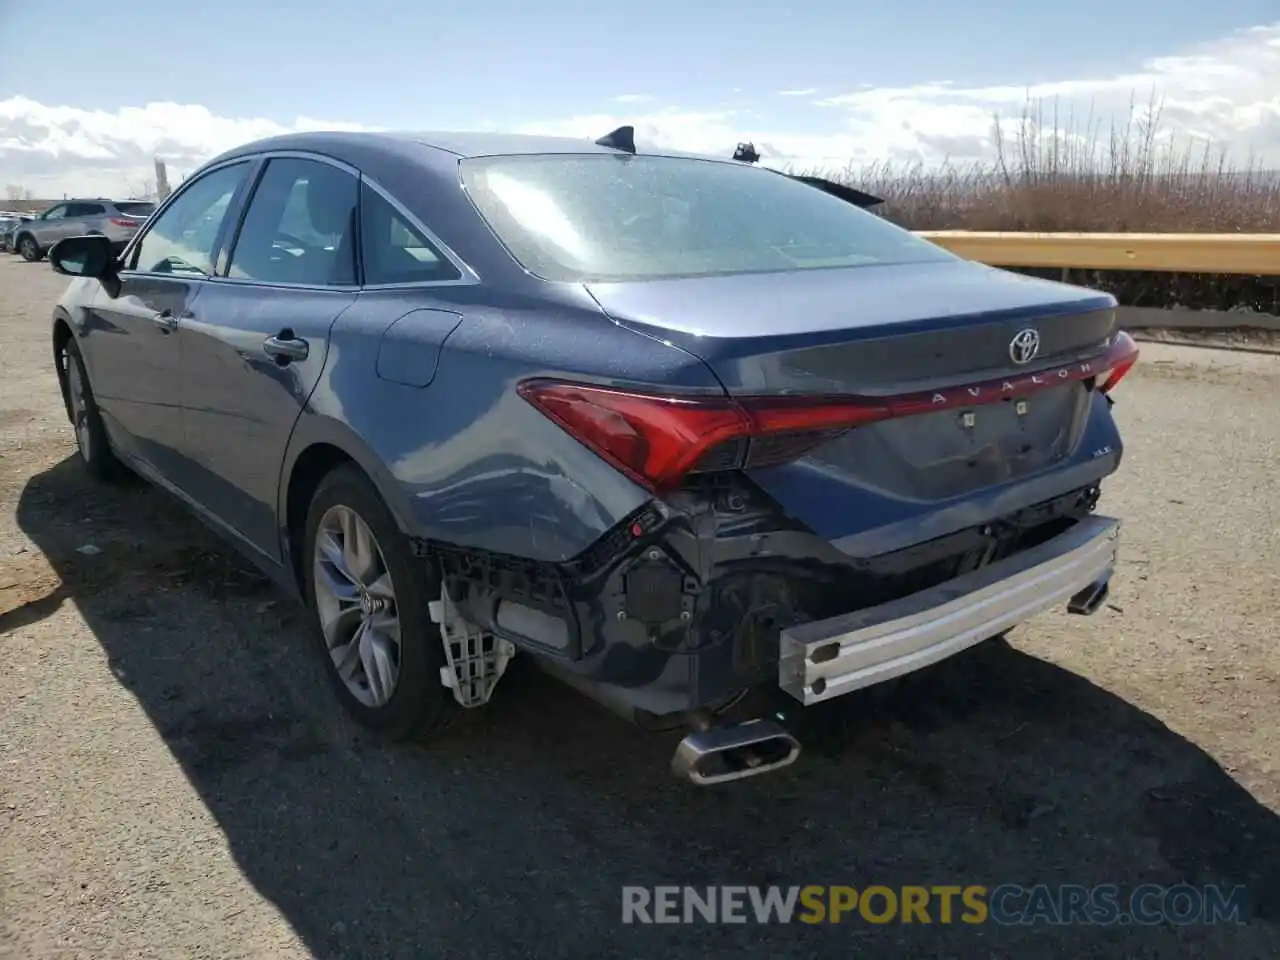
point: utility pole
(162, 180)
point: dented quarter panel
(472, 463)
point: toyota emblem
(1024, 346)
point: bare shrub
(1051, 176)
(1071, 177)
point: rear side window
(604, 217)
(184, 238)
(300, 226)
(394, 250)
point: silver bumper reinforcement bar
(818, 661)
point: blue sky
(389, 63)
(708, 69)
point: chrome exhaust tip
(1088, 600)
(734, 751)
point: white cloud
(1225, 91)
(52, 150)
(804, 92)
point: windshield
(607, 218)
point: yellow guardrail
(1254, 254)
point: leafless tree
(143, 190)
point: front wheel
(82, 409)
(29, 249)
(369, 596)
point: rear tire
(29, 249)
(363, 577)
(82, 410)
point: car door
(134, 340)
(256, 348)
(84, 218)
(75, 222)
(48, 227)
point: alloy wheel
(356, 604)
(79, 406)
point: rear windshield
(601, 217)
(135, 209)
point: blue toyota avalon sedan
(707, 441)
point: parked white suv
(117, 220)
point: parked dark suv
(10, 221)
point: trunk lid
(882, 331)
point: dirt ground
(175, 780)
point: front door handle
(284, 347)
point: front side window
(184, 238)
(583, 217)
(56, 213)
(394, 250)
(300, 226)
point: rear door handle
(284, 347)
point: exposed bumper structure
(818, 661)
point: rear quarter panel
(464, 460)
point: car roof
(444, 144)
(483, 144)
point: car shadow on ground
(514, 835)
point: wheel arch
(61, 335)
(319, 446)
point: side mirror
(83, 257)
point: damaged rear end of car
(902, 457)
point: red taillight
(1119, 360)
(658, 440)
(122, 222)
(655, 440)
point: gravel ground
(177, 783)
